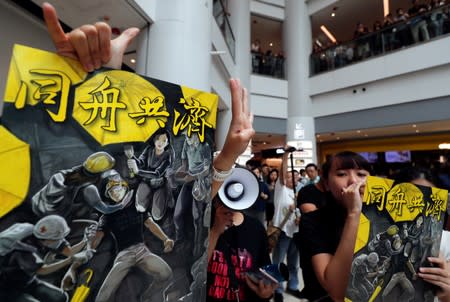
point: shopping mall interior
(423, 140)
(322, 76)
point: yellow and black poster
(104, 184)
(400, 227)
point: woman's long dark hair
(345, 160)
(157, 134)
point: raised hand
(241, 129)
(239, 133)
(90, 44)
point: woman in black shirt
(326, 238)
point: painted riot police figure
(22, 250)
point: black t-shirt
(127, 225)
(248, 244)
(311, 194)
(319, 232)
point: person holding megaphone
(237, 244)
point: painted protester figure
(127, 227)
(152, 167)
(74, 193)
(194, 171)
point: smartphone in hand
(261, 274)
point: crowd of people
(322, 233)
(421, 22)
(267, 63)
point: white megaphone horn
(240, 190)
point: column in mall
(298, 44)
(240, 24)
(176, 47)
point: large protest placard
(104, 184)
(400, 227)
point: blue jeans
(286, 248)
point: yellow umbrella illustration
(35, 74)
(15, 169)
(404, 202)
(363, 233)
(118, 106)
(82, 291)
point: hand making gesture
(90, 44)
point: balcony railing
(268, 64)
(417, 29)
(221, 14)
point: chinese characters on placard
(51, 87)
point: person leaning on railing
(437, 17)
(418, 22)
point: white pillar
(176, 47)
(240, 24)
(298, 44)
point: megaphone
(239, 190)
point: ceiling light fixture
(444, 146)
(270, 44)
(133, 61)
(333, 13)
(386, 7)
(328, 34)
